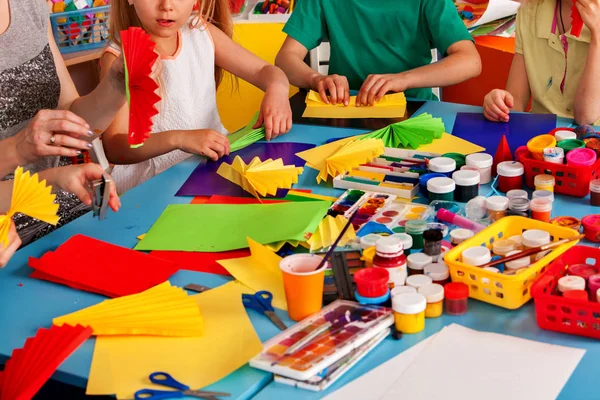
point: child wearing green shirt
(378, 46)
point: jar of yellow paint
(434, 294)
(409, 312)
(544, 182)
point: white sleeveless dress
(189, 101)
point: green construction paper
(246, 136)
(223, 227)
(413, 132)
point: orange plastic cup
(303, 284)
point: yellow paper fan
(163, 310)
(390, 106)
(260, 178)
(328, 231)
(32, 198)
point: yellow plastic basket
(508, 291)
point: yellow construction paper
(312, 196)
(328, 231)
(260, 178)
(259, 271)
(451, 144)
(279, 245)
(376, 176)
(32, 198)
(390, 106)
(121, 364)
(143, 235)
(163, 310)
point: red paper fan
(138, 51)
(576, 21)
(30, 367)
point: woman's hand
(497, 105)
(14, 242)
(204, 142)
(275, 112)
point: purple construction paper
(520, 128)
(205, 181)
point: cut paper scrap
(260, 178)
(411, 133)
(121, 364)
(451, 144)
(259, 272)
(205, 182)
(279, 245)
(246, 136)
(328, 231)
(239, 200)
(341, 156)
(95, 266)
(164, 310)
(294, 194)
(139, 58)
(201, 262)
(223, 227)
(31, 366)
(390, 106)
(30, 197)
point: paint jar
(484, 162)
(517, 194)
(568, 283)
(489, 269)
(537, 145)
(303, 282)
(467, 185)
(423, 182)
(390, 256)
(458, 158)
(577, 295)
(564, 135)
(569, 145)
(518, 240)
(595, 192)
(476, 256)
(593, 144)
(403, 289)
(567, 222)
(372, 282)
(542, 194)
(434, 294)
(441, 189)
(518, 206)
(582, 270)
(591, 227)
(457, 236)
(415, 229)
(442, 165)
(544, 182)
(554, 155)
(417, 263)
(409, 312)
(374, 301)
(510, 175)
(581, 158)
(432, 239)
(511, 267)
(593, 286)
(471, 168)
(369, 240)
(438, 272)
(502, 247)
(541, 209)
(496, 207)
(457, 298)
(407, 241)
(368, 255)
(417, 281)
(533, 238)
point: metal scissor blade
(276, 320)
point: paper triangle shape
(246, 136)
(164, 310)
(139, 56)
(502, 153)
(328, 231)
(390, 106)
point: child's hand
(590, 14)
(336, 85)
(376, 86)
(497, 105)
(275, 112)
(14, 242)
(204, 142)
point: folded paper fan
(164, 310)
(139, 55)
(31, 366)
(260, 178)
(32, 198)
(412, 133)
(390, 106)
(328, 231)
(246, 136)
(576, 21)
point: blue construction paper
(373, 227)
(520, 128)
(205, 181)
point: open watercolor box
(352, 325)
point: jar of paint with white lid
(511, 267)
(564, 134)
(457, 236)
(417, 281)
(434, 294)
(407, 241)
(409, 312)
(417, 262)
(403, 289)
(390, 256)
(467, 185)
(516, 194)
(438, 272)
(476, 256)
(484, 162)
(536, 238)
(369, 240)
(497, 207)
(442, 165)
(571, 282)
(441, 189)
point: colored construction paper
(200, 200)
(205, 182)
(31, 366)
(89, 264)
(239, 200)
(121, 365)
(201, 262)
(259, 271)
(295, 193)
(451, 144)
(164, 310)
(411, 133)
(30, 197)
(520, 128)
(390, 106)
(246, 136)
(216, 227)
(328, 231)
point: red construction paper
(138, 50)
(199, 200)
(92, 265)
(239, 200)
(576, 21)
(31, 366)
(201, 262)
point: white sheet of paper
(470, 365)
(376, 382)
(497, 9)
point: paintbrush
(532, 251)
(337, 241)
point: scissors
(261, 302)
(164, 379)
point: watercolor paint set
(394, 216)
(336, 331)
(365, 203)
(382, 177)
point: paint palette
(352, 325)
(365, 204)
(394, 216)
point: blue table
(33, 305)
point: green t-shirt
(377, 36)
